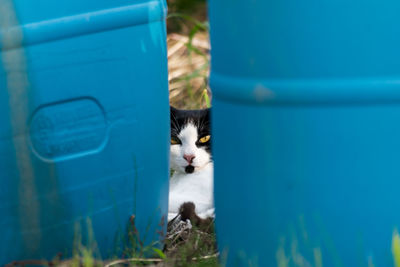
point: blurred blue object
(306, 131)
(84, 125)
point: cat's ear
(208, 113)
(172, 110)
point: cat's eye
(175, 141)
(205, 139)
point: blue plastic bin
(306, 114)
(84, 125)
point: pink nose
(189, 158)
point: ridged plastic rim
(307, 91)
(81, 24)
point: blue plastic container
(306, 113)
(84, 125)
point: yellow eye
(205, 139)
(174, 141)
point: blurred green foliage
(185, 6)
(196, 9)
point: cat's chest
(196, 188)
(192, 183)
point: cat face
(190, 139)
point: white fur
(188, 137)
(196, 187)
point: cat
(191, 185)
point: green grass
(396, 248)
(189, 251)
(194, 247)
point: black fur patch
(200, 118)
(189, 169)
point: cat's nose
(189, 158)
